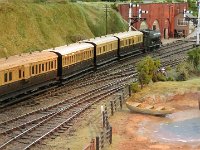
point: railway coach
(74, 59)
(22, 75)
(25, 73)
(129, 42)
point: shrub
(170, 79)
(135, 87)
(182, 72)
(161, 77)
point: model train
(26, 73)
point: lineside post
(97, 143)
(198, 23)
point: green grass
(165, 89)
(28, 26)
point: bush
(182, 76)
(135, 87)
(170, 79)
(161, 77)
(182, 72)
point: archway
(143, 25)
(155, 25)
(166, 29)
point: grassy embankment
(165, 90)
(28, 26)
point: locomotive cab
(152, 39)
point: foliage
(135, 87)
(114, 6)
(147, 70)
(161, 77)
(182, 70)
(193, 6)
(194, 57)
(44, 25)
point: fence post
(115, 104)
(102, 140)
(103, 114)
(110, 140)
(92, 144)
(120, 101)
(97, 143)
(129, 90)
(111, 107)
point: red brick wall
(164, 13)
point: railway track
(26, 130)
(52, 120)
(103, 75)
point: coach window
(42, 67)
(54, 63)
(130, 43)
(69, 58)
(33, 71)
(36, 70)
(10, 76)
(104, 49)
(72, 59)
(20, 73)
(39, 68)
(77, 58)
(66, 60)
(49, 65)
(6, 77)
(122, 43)
(46, 66)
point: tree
(147, 70)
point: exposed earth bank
(130, 129)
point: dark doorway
(165, 33)
(154, 27)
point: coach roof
(128, 34)
(24, 59)
(72, 48)
(102, 40)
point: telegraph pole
(106, 19)
(106, 9)
(198, 24)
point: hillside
(28, 26)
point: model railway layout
(23, 75)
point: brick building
(166, 17)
